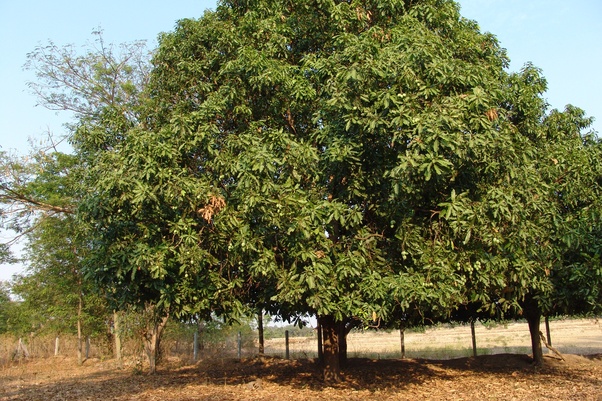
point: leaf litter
(487, 377)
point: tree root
(548, 346)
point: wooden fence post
(56, 346)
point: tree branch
(14, 196)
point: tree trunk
(345, 328)
(330, 340)
(548, 336)
(152, 343)
(117, 338)
(260, 330)
(474, 338)
(320, 345)
(80, 307)
(402, 340)
(533, 316)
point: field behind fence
(582, 336)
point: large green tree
(569, 164)
(533, 231)
(349, 159)
(310, 146)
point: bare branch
(14, 196)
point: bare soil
(501, 376)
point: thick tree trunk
(330, 340)
(152, 343)
(533, 316)
(345, 328)
(260, 330)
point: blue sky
(562, 38)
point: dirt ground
(501, 376)
(490, 377)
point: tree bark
(345, 328)
(330, 340)
(533, 316)
(117, 338)
(260, 330)
(402, 339)
(320, 345)
(152, 343)
(474, 338)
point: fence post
(239, 345)
(195, 346)
(287, 354)
(56, 346)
